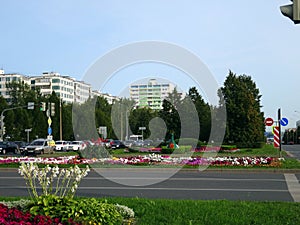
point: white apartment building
(82, 91)
(63, 86)
(151, 94)
(110, 98)
(8, 78)
(67, 88)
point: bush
(14, 216)
(259, 144)
(21, 204)
(166, 150)
(81, 210)
(187, 141)
(94, 152)
(228, 147)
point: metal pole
(279, 126)
(126, 125)
(60, 120)
(2, 125)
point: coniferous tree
(245, 123)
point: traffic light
(292, 11)
(52, 108)
(42, 106)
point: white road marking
(293, 186)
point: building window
(55, 80)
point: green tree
(204, 113)
(103, 113)
(245, 121)
(141, 117)
(170, 114)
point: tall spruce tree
(245, 121)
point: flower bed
(155, 159)
(215, 149)
(152, 159)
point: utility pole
(279, 125)
(60, 119)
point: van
(38, 146)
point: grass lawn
(215, 212)
(190, 212)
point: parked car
(76, 145)
(7, 146)
(21, 145)
(38, 146)
(129, 143)
(148, 143)
(61, 145)
(114, 144)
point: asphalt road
(292, 150)
(157, 183)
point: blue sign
(49, 130)
(284, 121)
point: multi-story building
(82, 91)
(67, 88)
(8, 78)
(63, 86)
(151, 94)
(110, 98)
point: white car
(38, 146)
(61, 145)
(76, 145)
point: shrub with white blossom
(52, 180)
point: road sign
(284, 121)
(276, 137)
(49, 121)
(269, 121)
(30, 105)
(49, 130)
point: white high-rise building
(82, 91)
(8, 78)
(110, 98)
(63, 86)
(151, 94)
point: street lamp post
(297, 125)
(142, 129)
(27, 131)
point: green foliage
(95, 152)
(166, 150)
(80, 210)
(245, 121)
(228, 147)
(204, 113)
(187, 141)
(21, 204)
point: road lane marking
(164, 189)
(293, 186)
(167, 179)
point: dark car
(21, 145)
(114, 144)
(7, 146)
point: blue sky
(247, 37)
